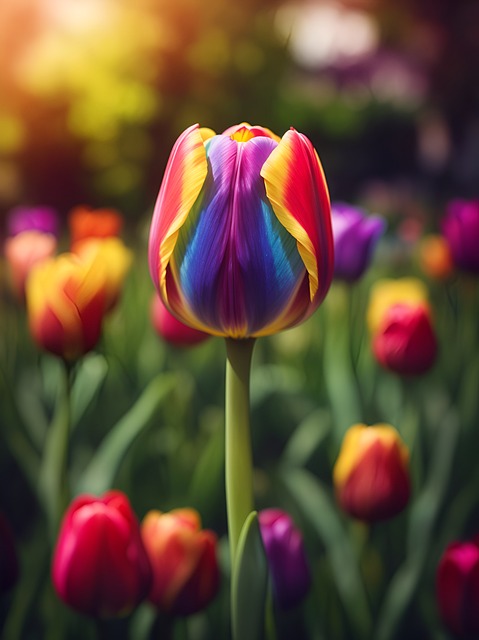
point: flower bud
(66, 301)
(240, 240)
(399, 317)
(183, 558)
(100, 566)
(289, 569)
(457, 588)
(170, 328)
(460, 227)
(371, 474)
(355, 237)
(406, 343)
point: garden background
(93, 95)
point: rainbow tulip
(66, 301)
(240, 241)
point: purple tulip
(286, 556)
(44, 219)
(460, 227)
(355, 236)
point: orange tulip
(183, 559)
(85, 223)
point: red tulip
(183, 557)
(457, 588)
(100, 566)
(371, 474)
(406, 342)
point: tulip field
(239, 355)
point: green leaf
(306, 438)
(317, 506)
(103, 468)
(88, 380)
(249, 583)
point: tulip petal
(297, 190)
(184, 177)
(235, 263)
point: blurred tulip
(355, 237)
(25, 250)
(42, 219)
(183, 558)
(460, 227)
(85, 222)
(100, 566)
(66, 304)
(435, 257)
(110, 256)
(371, 474)
(386, 293)
(9, 568)
(406, 342)
(240, 241)
(457, 588)
(170, 328)
(283, 542)
(399, 317)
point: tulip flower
(66, 301)
(22, 252)
(110, 256)
(100, 566)
(355, 237)
(240, 241)
(371, 474)
(400, 320)
(460, 227)
(85, 222)
(435, 257)
(9, 568)
(183, 558)
(170, 328)
(283, 542)
(42, 219)
(406, 343)
(457, 588)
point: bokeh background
(93, 94)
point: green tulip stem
(54, 479)
(238, 457)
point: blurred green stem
(239, 465)
(54, 479)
